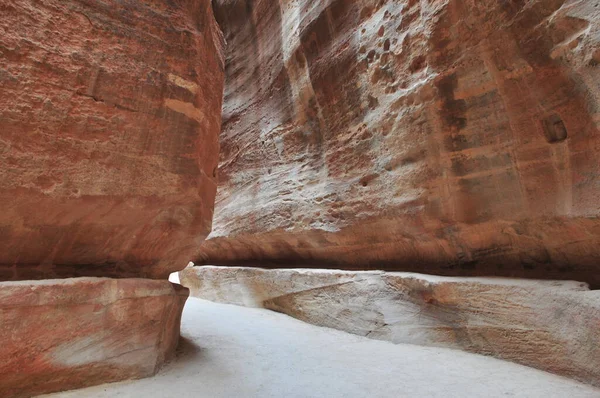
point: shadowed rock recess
(456, 137)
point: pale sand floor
(230, 351)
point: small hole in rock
(554, 129)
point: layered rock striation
(110, 113)
(454, 137)
(549, 325)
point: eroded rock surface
(64, 334)
(549, 325)
(447, 136)
(109, 119)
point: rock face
(64, 334)
(447, 136)
(549, 325)
(109, 123)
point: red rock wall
(109, 123)
(445, 136)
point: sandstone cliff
(442, 136)
(109, 123)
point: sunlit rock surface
(549, 325)
(109, 119)
(456, 137)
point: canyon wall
(446, 136)
(110, 113)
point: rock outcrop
(64, 334)
(442, 136)
(110, 113)
(549, 325)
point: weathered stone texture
(64, 334)
(448, 136)
(549, 325)
(109, 119)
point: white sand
(231, 351)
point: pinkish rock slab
(64, 334)
(549, 325)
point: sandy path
(231, 351)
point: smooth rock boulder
(64, 334)
(549, 325)
(455, 137)
(110, 113)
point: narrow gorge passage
(419, 176)
(230, 351)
